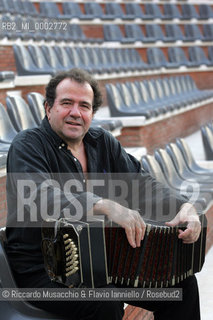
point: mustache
(74, 121)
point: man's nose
(75, 111)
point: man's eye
(85, 106)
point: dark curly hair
(78, 75)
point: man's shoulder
(28, 136)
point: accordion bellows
(92, 255)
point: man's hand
(129, 219)
(188, 216)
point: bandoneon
(94, 254)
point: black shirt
(39, 154)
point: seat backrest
(168, 168)
(171, 11)
(176, 54)
(94, 9)
(189, 11)
(72, 9)
(143, 91)
(19, 113)
(134, 31)
(17, 310)
(114, 99)
(125, 94)
(208, 30)
(50, 9)
(51, 57)
(153, 9)
(154, 31)
(207, 138)
(135, 93)
(23, 58)
(197, 54)
(150, 165)
(155, 56)
(7, 131)
(135, 9)
(38, 56)
(210, 53)
(114, 9)
(36, 104)
(174, 31)
(112, 33)
(177, 158)
(205, 11)
(63, 57)
(192, 31)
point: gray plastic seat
(178, 160)
(135, 31)
(210, 53)
(189, 12)
(24, 62)
(197, 56)
(19, 113)
(153, 10)
(114, 9)
(40, 60)
(51, 10)
(205, 12)
(136, 10)
(199, 194)
(116, 104)
(73, 10)
(155, 32)
(113, 33)
(207, 32)
(36, 104)
(159, 172)
(171, 11)
(207, 138)
(52, 58)
(192, 32)
(156, 57)
(190, 160)
(3, 161)
(7, 131)
(17, 310)
(177, 55)
(96, 11)
(173, 32)
(173, 177)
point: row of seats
(110, 11)
(175, 167)
(34, 60)
(38, 29)
(155, 97)
(207, 138)
(154, 32)
(21, 115)
(177, 57)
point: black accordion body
(93, 255)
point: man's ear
(47, 109)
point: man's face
(71, 114)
